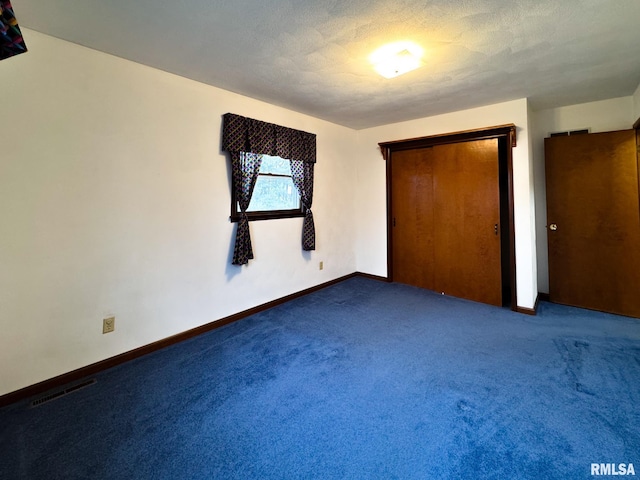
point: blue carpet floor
(361, 380)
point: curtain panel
(302, 174)
(246, 140)
(244, 168)
(11, 41)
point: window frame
(265, 214)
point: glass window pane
(274, 193)
(275, 165)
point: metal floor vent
(62, 393)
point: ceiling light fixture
(397, 58)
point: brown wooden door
(594, 221)
(413, 204)
(446, 216)
(467, 221)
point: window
(274, 195)
(248, 142)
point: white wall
(602, 116)
(114, 199)
(371, 249)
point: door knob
(553, 227)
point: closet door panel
(467, 254)
(412, 212)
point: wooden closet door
(594, 221)
(467, 259)
(412, 213)
(446, 216)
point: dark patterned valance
(11, 42)
(241, 134)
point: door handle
(495, 229)
(553, 227)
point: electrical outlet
(108, 325)
(320, 265)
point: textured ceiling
(311, 55)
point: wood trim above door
(507, 130)
(505, 133)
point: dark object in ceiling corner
(11, 41)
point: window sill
(275, 214)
